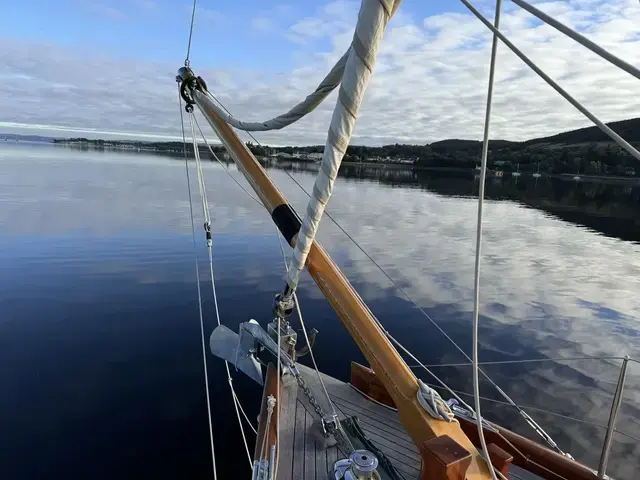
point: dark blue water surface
(101, 370)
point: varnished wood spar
(394, 373)
(271, 386)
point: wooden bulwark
(366, 381)
(271, 386)
(530, 455)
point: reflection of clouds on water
(548, 287)
(559, 290)
(534, 266)
(60, 190)
(566, 291)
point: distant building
(315, 155)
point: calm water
(100, 361)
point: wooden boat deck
(302, 456)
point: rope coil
(433, 403)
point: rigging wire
(526, 360)
(420, 309)
(207, 215)
(236, 398)
(599, 123)
(193, 17)
(386, 332)
(195, 251)
(224, 166)
(585, 42)
(443, 385)
(542, 410)
(476, 287)
(537, 428)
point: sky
(106, 69)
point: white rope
(271, 403)
(244, 414)
(262, 462)
(195, 251)
(308, 105)
(372, 20)
(617, 138)
(201, 185)
(206, 213)
(433, 403)
(599, 123)
(476, 299)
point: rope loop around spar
(433, 403)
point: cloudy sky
(106, 68)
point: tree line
(586, 151)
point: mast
(389, 366)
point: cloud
(208, 15)
(429, 83)
(148, 4)
(332, 20)
(261, 24)
(61, 130)
(105, 11)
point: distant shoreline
(592, 161)
(281, 161)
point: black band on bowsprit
(287, 221)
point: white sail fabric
(372, 20)
(308, 105)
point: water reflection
(96, 251)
